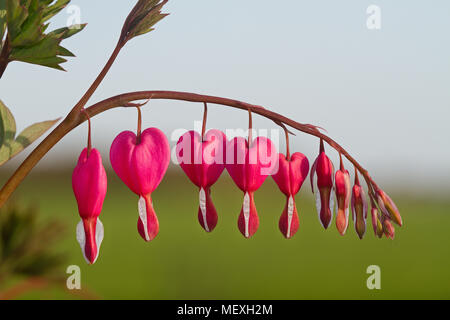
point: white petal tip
(142, 208)
(81, 238)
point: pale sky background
(384, 94)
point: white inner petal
(290, 215)
(202, 201)
(318, 204)
(333, 202)
(81, 237)
(246, 209)
(99, 235)
(143, 216)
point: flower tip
(342, 222)
(90, 254)
(289, 221)
(207, 214)
(90, 233)
(248, 221)
(148, 225)
(325, 217)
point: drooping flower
(89, 184)
(388, 207)
(343, 196)
(324, 200)
(359, 207)
(291, 174)
(249, 166)
(203, 161)
(141, 162)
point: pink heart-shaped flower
(141, 164)
(290, 177)
(291, 173)
(203, 162)
(249, 168)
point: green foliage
(26, 246)
(143, 17)
(10, 145)
(26, 23)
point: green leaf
(51, 62)
(30, 31)
(11, 146)
(26, 22)
(29, 135)
(47, 52)
(7, 125)
(66, 32)
(7, 132)
(53, 10)
(16, 16)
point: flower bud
(324, 169)
(388, 207)
(359, 207)
(388, 228)
(376, 222)
(343, 196)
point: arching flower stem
(125, 100)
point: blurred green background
(184, 262)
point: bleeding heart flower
(343, 196)
(249, 167)
(203, 162)
(325, 172)
(141, 162)
(359, 207)
(89, 184)
(290, 176)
